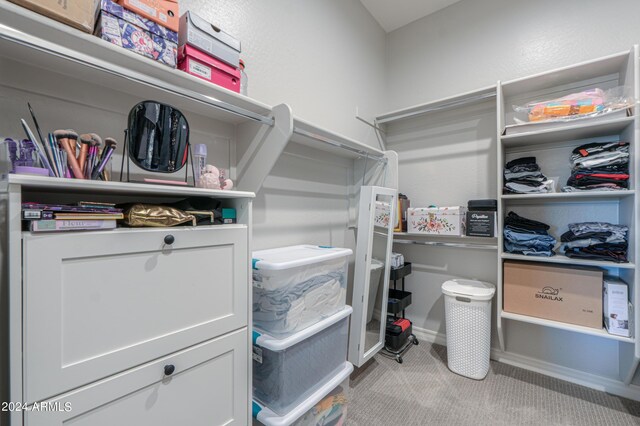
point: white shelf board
(564, 260)
(326, 140)
(38, 41)
(566, 196)
(586, 128)
(607, 65)
(566, 326)
(52, 184)
(488, 240)
(463, 99)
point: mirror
(158, 137)
(371, 277)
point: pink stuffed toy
(211, 178)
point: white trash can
(467, 306)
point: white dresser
(144, 326)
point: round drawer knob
(169, 369)
(169, 239)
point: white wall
(322, 57)
(472, 44)
(464, 47)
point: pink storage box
(195, 62)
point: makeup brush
(110, 145)
(85, 144)
(96, 144)
(67, 140)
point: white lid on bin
(264, 340)
(473, 289)
(295, 256)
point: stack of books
(80, 217)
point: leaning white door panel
(371, 278)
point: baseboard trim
(582, 378)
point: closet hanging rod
(188, 94)
(445, 244)
(427, 109)
(373, 156)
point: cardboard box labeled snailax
(127, 29)
(163, 12)
(617, 309)
(437, 220)
(80, 14)
(566, 294)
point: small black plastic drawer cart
(397, 343)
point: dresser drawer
(98, 303)
(209, 386)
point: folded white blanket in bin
(293, 308)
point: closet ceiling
(394, 14)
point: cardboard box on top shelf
(197, 32)
(566, 294)
(163, 12)
(127, 29)
(80, 14)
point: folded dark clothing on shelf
(528, 237)
(598, 187)
(619, 156)
(586, 228)
(598, 235)
(605, 251)
(610, 168)
(590, 180)
(523, 176)
(591, 149)
(518, 188)
(523, 161)
(522, 224)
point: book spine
(71, 225)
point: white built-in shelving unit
(552, 145)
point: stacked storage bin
(301, 331)
(209, 53)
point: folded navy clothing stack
(596, 241)
(523, 176)
(527, 237)
(599, 167)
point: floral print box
(127, 29)
(437, 220)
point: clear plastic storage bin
(294, 287)
(287, 371)
(326, 406)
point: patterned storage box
(437, 220)
(127, 29)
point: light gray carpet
(422, 391)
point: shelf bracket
(259, 148)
